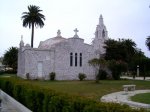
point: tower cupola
(100, 37)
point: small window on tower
(103, 34)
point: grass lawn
(88, 89)
(142, 98)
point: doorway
(40, 69)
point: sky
(122, 18)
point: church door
(40, 69)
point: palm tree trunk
(32, 35)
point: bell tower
(101, 35)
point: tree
(144, 67)
(136, 60)
(123, 49)
(148, 42)
(99, 65)
(117, 67)
(33, 18)
(122, 55)
(11, 57)
(130, 48)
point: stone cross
(76, 31)
(58, 33)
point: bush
(2, 72)
(42, 99)
(7, 72)
(81, 76)
(117, 67)
(28, 76)
(52, 76)
(102, 75)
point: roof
(47, 44)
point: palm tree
(148, 42)
(130, 48)
(33, 18)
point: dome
(27, 45)
(47, 44)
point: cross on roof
(76, 31)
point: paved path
(9, 104)
(124, 98)
(136, 78)
(7, 107)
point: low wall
(12, 101)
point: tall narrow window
(76, 59)
(71, 59)
(80, 59)
(103, 34)
(97, 33)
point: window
(71, 59)
(97, 33)
(76, 59)
(80, 59)
(103, 34)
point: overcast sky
(123, 19)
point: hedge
(41, 99)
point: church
(67, 57)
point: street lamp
(0, 104)
(137, 70)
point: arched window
(71, 59)
(103, 33)
(96, 33)
(80, 59)
(76, 59)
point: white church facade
(67, 57)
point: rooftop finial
(76, 31)
(101, 16)
(58, 33)
(101, 20)
(21, 37)
(21, 42)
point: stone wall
(57, 60)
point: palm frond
(148, 42)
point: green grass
(142, 98)
(7, 75)
(88, 89)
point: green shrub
(42, 99)
(52, 76)
(10, 72)
(81, 76)
(102, 75)
(28, 76)
(2, 72)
